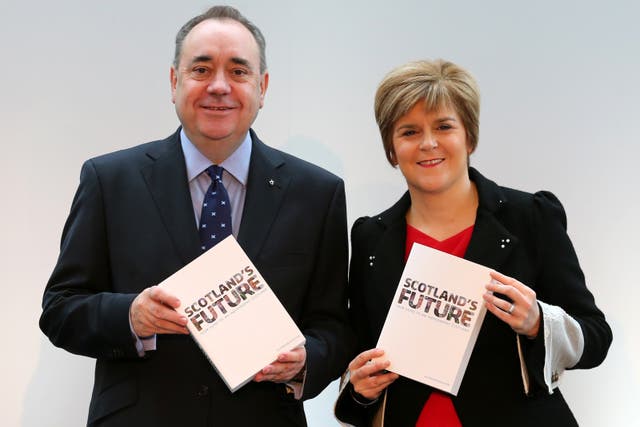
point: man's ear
(173, 76)
(264, 83)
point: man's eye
(200, 72)
(239, 72)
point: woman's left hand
(523, 314)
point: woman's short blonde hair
(439, 84)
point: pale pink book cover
(233, 314)
(434, 318)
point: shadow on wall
(613, 409)
(61, 384)
(316, 152)
(370, 195)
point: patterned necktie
(215, 220)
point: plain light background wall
(559, 112)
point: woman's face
(431, 149)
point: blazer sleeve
(324, 322)
(561, 283)
(346, 409)
(80, 312)
(357, 287)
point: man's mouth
(214, 108)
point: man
(134, 221)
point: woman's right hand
(368, 375)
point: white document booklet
(232, 313)
(434, 318)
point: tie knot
(215, 173)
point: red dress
(438, 411)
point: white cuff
(563, 345)
(297, 387)
(143, 344)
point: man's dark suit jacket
(519, 234)
(132, 225)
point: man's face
(217, 88)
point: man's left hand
(285, 368)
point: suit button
(203, 391)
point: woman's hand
(367, 373)
(523, 315)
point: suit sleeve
(561, 283)
(80, 312)
(325, 326)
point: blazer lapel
(491, 243)
(389, 250)
(166, 178)
(386, 276)
(266, 186)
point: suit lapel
(166, 178)
(266, 187)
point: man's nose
(219, 84)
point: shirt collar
(237, 164)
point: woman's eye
(409, 133)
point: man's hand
(285, 368)
(152, 312)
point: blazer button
(203, 391)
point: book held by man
(434, 318)
(232, 313)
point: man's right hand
(152, 312)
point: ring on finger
(511, 309)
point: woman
(541, 317)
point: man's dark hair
(221, 13)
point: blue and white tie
(215, 220)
